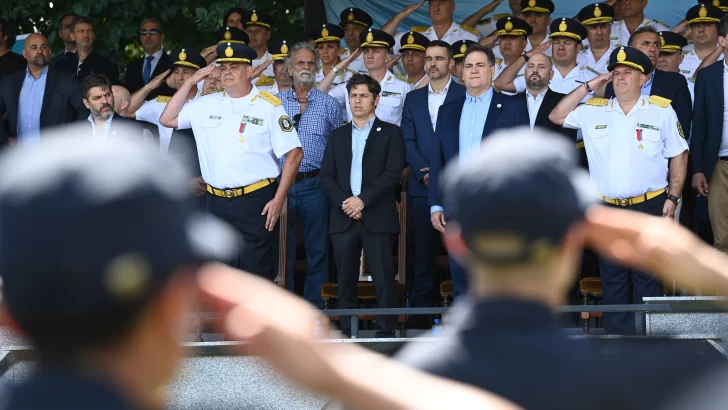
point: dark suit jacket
(11, 62)
(419, 135)
(505, 112)
(62, 101)
(122, 126)
(382, 165)
(708, 119)
(550, 100)
(672, 86)
(134, 80)
(94, 63)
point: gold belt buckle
(623, 202)
(228, 193)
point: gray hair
(298, 47)
(155, 21)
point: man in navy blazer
(461, 125)
(419, 117)
(709, 142)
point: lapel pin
(379, 129)
(498, 105)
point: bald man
(23, 96)
(122, 98)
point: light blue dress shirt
(647, 86)
(358, 142)
(472, 122)
(29, 104)
(107, 125)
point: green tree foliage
(188, 22)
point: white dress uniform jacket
(620, 33)
(455, 33)
(391, 100)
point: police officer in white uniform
(354, 21)
(241, 133)
(376, 44)
(443, 26)
(327, 39)
(567, 35)
(513, 35)
(633, 15)
(278, 50)
(186, 62)
(412, 48)
(258, 27)
(597, 19)
(637, 159)
(537, 14)
(458, 56)
(703, 20)
(671, 55)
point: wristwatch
(674, 199)
(525, 55)
(335, 70)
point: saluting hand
(201, 74)
(391, 63)
(539, 48)
(273, 210)
(488, 41)
(600, 81)
(348, 60)
(257, 71)
(158, 80)
(411, 8)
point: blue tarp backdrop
(671, 12)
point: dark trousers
(623, 286)
(689, 199)
(423, 237)
(257, 250)
(309, 206)
(378, 251)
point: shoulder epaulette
(599, 102)
(498, 60)
(593, 70)
(581, 68)
(418, 29)
(163, 99)
(342, 51)
(470, 29)
(484, 21)
(213, 91)
(617, 45)
(270, 98)
(402, 78)
(685, 52)
(659, 22)
(264, 80)
(500, 16)
(660, 101)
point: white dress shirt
(434, 101)
(561, 84)
(534, 104)
(107, 124)
(586, 58)
(620, 33)
(266, 57)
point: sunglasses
(149, 32)
(296, 120)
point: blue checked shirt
(323, 115)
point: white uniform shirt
(356, 65)
(485, 27)
(434, 101)
(500, 66)
(341, 77)
(455, 33)
(564, 85)
(150, 112)
(273, 89)
(586, 58)
(534, 104)
(266, 57)
(618, 168)
(230, 158)
(529, 46)
(689, 66)
(391, 99)
(620, 33)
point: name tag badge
(215, 117)
(390, 94)
(600, 127)
(648, 127)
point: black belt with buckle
(307, 175)
(723, 158)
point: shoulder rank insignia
(659, 101)
(599, 102)
(685, 52)
(659, 22)
(402, 78)
(163, 99)
(498, 60)
(342, 51)
(418, 29)
(484, 21)
(264, 80)
(470, 30)
(500, 16)
(580, 145)
(691, 79)
(680, 130)
(270, 98)
(213, 91)
(593, 70)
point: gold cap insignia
(351, 15)
(127, 276)
(228, 36)
(716, 3)
(703, 11)
(410, 39)
(182, 55)
(662, 40)
(621, 56)
(597, 11)
(563, 26)
(509, 25)
(463, 48)
(532, 3)
(370, 37)
(284, 48)
(229, 51)
(324, 32)
(254, 17)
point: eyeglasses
(296, 120)
(149, 32)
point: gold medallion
(621, 56)
(597, 11)
(716, 3)
(229, 51)
(463, 48)
(532, 3)
(703, 11)
(182, 55)
(563, 26)
(370, 37)
(241, 139)
(324, 32)
(410, 39)
(509, 25)
(351, 15)
(640, 146)
(228, 36)
(284, 48)
(254, 17)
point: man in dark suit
(155, 61)
(418, 126)
(361, 168)
(38, 97)
(9, 61)
(87, 61)
(461, 125)
(672, 86)
(105, 123)
(709, 143)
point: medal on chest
(639, 139)
(241, 130)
